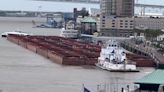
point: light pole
(128, 87)
(39, 10)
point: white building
(160, 37)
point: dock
(141, 49)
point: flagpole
(98, 88)
(105, 87)
(82, 87)
(85, 89)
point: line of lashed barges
(61, 50)
(68, 51)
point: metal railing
(150, 51)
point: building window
(121, 26)
(126, 23)
(131, 21)
(131, 26)
(121, 23)
(103, 16)
(126, 20)
(126, 26)
(121, 20)
(113, 26)
(103, 25)
(113, 23)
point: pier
(145, 50)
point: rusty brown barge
(58, 49)
(68, 51)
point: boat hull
(117, 68)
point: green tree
(84, 12)
(149, 33)
(152, 34)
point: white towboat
(113, 58)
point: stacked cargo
(58, 49)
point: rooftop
(155, 77)
(88, 20)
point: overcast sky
(29, 5)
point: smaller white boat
(113, 58)
(69, 33)
(5, 34)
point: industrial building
(121, 8)
(120, 26)
(117, 17)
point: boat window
(115, 45)
(106, 59)
(109, 45)
(112, 45)
(123, 54)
